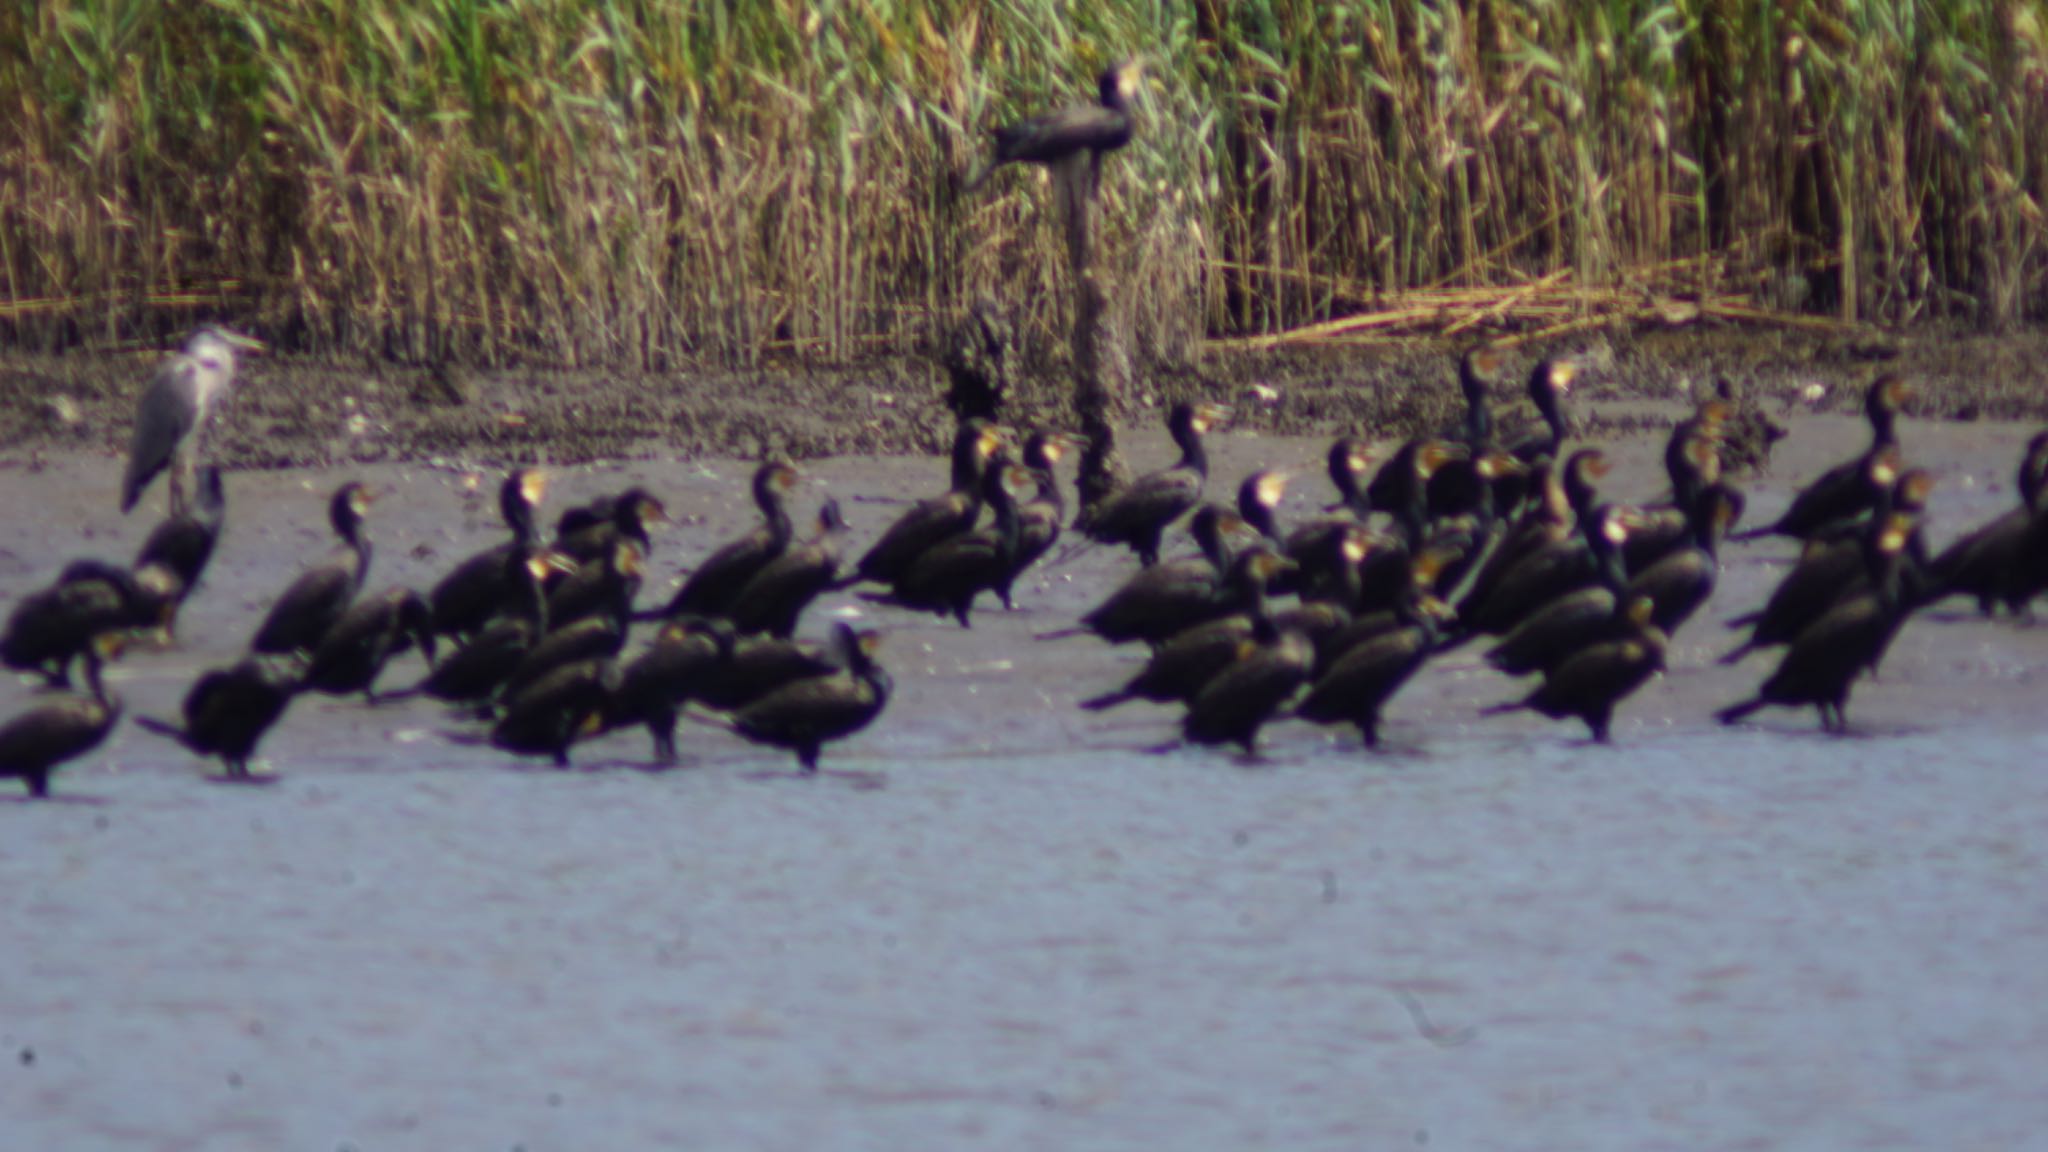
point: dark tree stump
(1102, 365)
(978, 362)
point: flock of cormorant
(1471, 535)
(1467, 535)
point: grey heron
(175, 407)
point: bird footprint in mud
(1439, 1036)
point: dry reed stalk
(646, 184)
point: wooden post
(1102, 366)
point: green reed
(647, 183)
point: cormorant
(477, 670)
(1158, 601)
(778, 593)
(1138, 513)
(710, 590)
(1849, 638)
(588, 530)
(50, 628)
(1590, 682)
(1181, 666)
(61, 729)
(1271, 666)
(569, 703)
(229, 709)
(1354, 688)
(805, 715)
(1989, 563)
(941, 517)
(1851, 489)
(478, 589)
(685, 656)
(604, 585)
(310, 606)
(1049, 138)
(947, 577)
(183, 544)
(373, 630)
(1038, 518)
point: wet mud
(295, 413)
(998, 921)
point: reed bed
(649, 183)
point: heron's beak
(242, 342)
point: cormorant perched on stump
(1053, 137)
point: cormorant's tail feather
(1107, 700)
(164, 728)
(1737, 712)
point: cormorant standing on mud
(484, 664)
(780, 590)
(1138, 514)
(683, 659)
(711, 589)
(587, 530)
(1850, 489)
(229, 709)
(941, 517)
(374, 629)
(311, 605)
(1271, 667)
(50, 628)
(1181, 666)
(806, 715)
(1990, 563)
(549, 715)
(1040, 517)
(1590, 682)
(1831, 568)
(480, 587)
(947, 577)
(1360, 681)
(183, 544)
(1159, 601)
(1051, 138)
(39, 741)
(1830, 653)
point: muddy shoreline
(996, 917)
(298, 413)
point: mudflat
(1000, 920)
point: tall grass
(651, 182)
